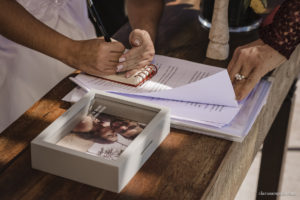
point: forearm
(145, 14)
(21, 27)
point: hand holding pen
(99, 56)
(96, 56)
(142, 51)
(102, 56)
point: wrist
(69, 52)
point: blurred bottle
(243, 15)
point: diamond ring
(239, 77)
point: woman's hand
(252, 61)
(95, 56)
(141, 53)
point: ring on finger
(239, 77)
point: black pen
(97, 19)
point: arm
(17, 24)
(278, 41)
(92, 56)
(144, 17)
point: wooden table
(186, 165)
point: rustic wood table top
(185, 166)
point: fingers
(242, 63)
(244, 87)
(97, 57)
(233, 59)
(234, 65)
(109, 60)
(245, 70)
(116, 48)
(135, 62)
(137, 37)
(133, 71)
(141, 53)
(107, 52)
(113, 46)
(135, 41)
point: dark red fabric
(269, 19)
(283, 34)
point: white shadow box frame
(96, 171)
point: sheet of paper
(110, 151)
(213, 115)
(231, 121)
(242, 123)
(176, 80)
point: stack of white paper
(200, 97)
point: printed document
(201, 97)
(176, 79)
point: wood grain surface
(185, 166)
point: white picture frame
(96, 171)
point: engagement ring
(239, 77)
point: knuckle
(260, 56)
(243, 51)
(136, 32)
(238, 49)
(151, 53)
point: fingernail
(122, 59)
(125, 51)
(119, 68)
(127, 75)
(137, 42)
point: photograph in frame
(101, 134)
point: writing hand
(141, 53)
(253, 61)
(95, 56)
